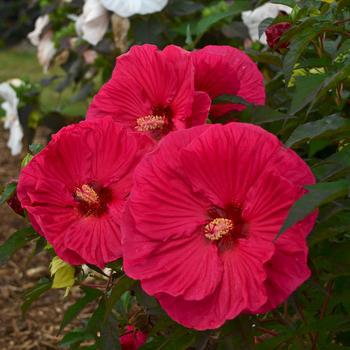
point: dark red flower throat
(226, 226)
(92, 199)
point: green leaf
(73, 311)
(96, 320)
(330, 83)
(264, 25)
(179, 339)
(26, 160)
(265, 114)
(306, 88)
(34, 293)
(123, 284)
(109, 334)
(289, 3)
(253, 113)
(230, 99)
(319, 194)
(325, 127)
(296, 48)
(337, 164)
(333, 261)
(16, 241)
(206, 22)
(35, 148)
(8, 192)
(333, 226)
(75, 337)
(63, 273)
(266, 57)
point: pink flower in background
(221, 70)
(200, 224)
(152, 91)
(74, 190)
(132, 339)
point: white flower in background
(127, 8)
(46, 47)
(11, 121)
(46, 51)
(252, 19)
(92, 24)
(40, 23)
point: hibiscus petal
(223, 70)
(146, 82)
(161, 265)
(224, 162)
(163, 204)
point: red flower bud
(132, 339)
(14, 203)
(274, 33)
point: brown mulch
(38, 330)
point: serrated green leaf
(317, 195)
(8, 192)
(16, 241)
(62, 272)
(73, 311)
(325, 127)
(34, 293)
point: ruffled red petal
(101, 154)
(236, 169)
(221, 70)
(147, 81)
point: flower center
(218, 228)
(87, 194)
(92, 199)
(150, 123)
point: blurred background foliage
(307, 77)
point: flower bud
(274, 33)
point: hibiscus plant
(201, 201)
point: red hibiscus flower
(132, 339)
(152, 91)
(274, 33)
(200, 224)
(74, 190)
(221, 70)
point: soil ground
(38, 331)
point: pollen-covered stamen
(218, 228)
(150, 123)
(87, 194)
